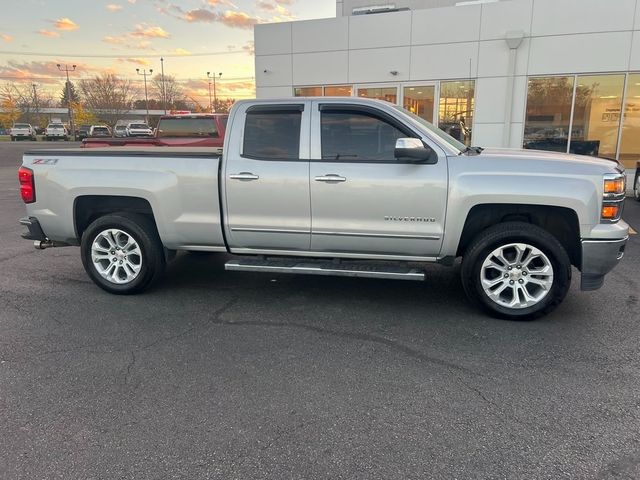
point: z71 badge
(45, 161)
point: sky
(118, 36)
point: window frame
(273, 108)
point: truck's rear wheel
(516, 271)
(122, 253)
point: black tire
(505, 234)
(636, 188)
(144, 232)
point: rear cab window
(272, 132)
(188, 127)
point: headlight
(614, 188)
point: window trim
(374, 112)
(270, 108)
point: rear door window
(272, 133)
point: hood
(515, 153)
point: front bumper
(599, 257)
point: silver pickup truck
(336, 186)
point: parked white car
(56, 131)
(139, 130)
(22, 131)
(120, 131)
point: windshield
(138, 125)
(100, 129)
(120, 127)
(435, 130)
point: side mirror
(412, 150)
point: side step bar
(323, 267)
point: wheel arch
(561, 222)
(88, 208)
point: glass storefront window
(338, 91)
(308, 91)
(630, 141)
(420, 100)
(548, 114)
(455, 109)
(596, 115)
(390, 94)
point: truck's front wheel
(122, 253)
(517, 271)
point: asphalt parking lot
(238, 376)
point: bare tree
(173, 92)
(108, 96)
(28, 100)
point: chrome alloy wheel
(516, 275)
(116, 256)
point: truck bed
(179, 184)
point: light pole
(67, 70)
(146, 97)
(215, 97)
(164, 91)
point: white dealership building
(559, 75)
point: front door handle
(244, 176)
(330, 177)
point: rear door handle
(330, 177)
(244, 176)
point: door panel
(266, 179)
(365, 201)
(378, 208)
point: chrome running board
(324, 267)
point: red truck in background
(184, 130)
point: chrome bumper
(599, 257)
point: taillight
(27, 185)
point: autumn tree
(82, 116)
(107, 95)
(9, 111)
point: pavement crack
(216, 315)
(130, 365)
(365, 337)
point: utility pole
(35, 101)
(215, 97)
(146, 96)
(66, 69)
(164, 92)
